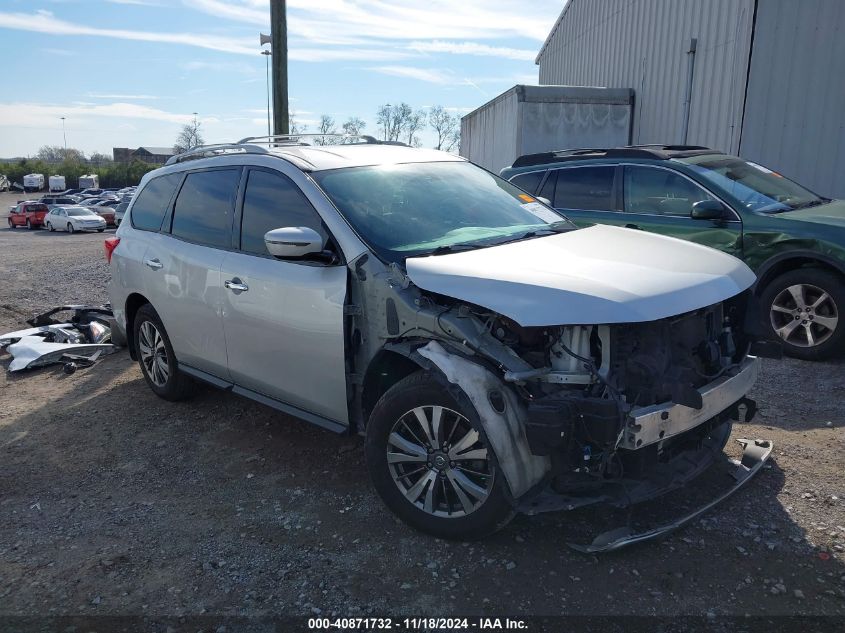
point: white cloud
(130, 97)
(45, 115)
(429, 75)
(473, 48)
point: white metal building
(761, 78)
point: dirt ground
(115, 502)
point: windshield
(431, 208)
(78, 212)
(758, 188)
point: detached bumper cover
(755, 454)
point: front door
(284, 319)
(660, 200)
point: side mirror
(545, 201)
(293, 241)
(708, 210)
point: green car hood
(831, 213)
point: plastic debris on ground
(78, 341)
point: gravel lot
(115, 502)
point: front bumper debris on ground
(755, 454)
(78, 341)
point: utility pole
(279, 35)
(64, 134)
(266, 54)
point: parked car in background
(106, 202)
(5, 185)
(57, 184)
(29, 214)
(488, 349)
(71, 192)
(791, 237)
(59, 201)
(73, 219)
(105, 212)
(119, 212)
(33, 182)
(91, 191)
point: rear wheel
(804, 310)
(155, 355)
(432, 464)
(28, 225)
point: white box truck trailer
(534, 119)
(57, 183)
(89, 181)
(33, 182)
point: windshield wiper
(810, 203)
(455, 248)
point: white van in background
(57, 183)
(91, 181)
(33, 182)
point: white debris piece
(39, 346)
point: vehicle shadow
(247, 511)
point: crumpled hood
(601, 274)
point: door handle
(633, 226)
(235, 285)
(153, 263)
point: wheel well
(385, 370)
(133, 304)
(792, 263)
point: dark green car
(793, 239)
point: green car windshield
(758, 188)
(431, 208)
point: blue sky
(126, 73)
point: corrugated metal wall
(642, 44)
(795, 109)
(490, 133)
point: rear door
(660, 200)
(182, 266)
(587, 194)
(284, 319)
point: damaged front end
(78, 340)
(576, 414)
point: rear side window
(586, 188)
(273, 201)
(204, 207)
(34, 208)
(529, 181)
(152, 202)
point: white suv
(495, 357)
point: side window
(152, 201)
(529, 182)
(273, 201)
(585, 188)
(205, 205)
(660, 192)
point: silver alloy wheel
(804, 315)
(439, 462)
(153, 353)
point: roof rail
(263, 144)
(296, 139)
(663, 152)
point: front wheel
(28, 225)
(432, 464)
(155, 355)
(50, 227)
(100, 230)
(70, 228)
(804, 310)
(11, 224)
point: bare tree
(99, 157)
(57, 154)
(447, 126)
(392, 119)
(354, 126)
(327, 126)
(189, 138)
(293, 126)
(414, 122)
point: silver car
(496, 358)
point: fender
(765, 269)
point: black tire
(100, 230)
(177, 385)
(827, 342)
(11, 225)
(70, 228)
(422, 390)
(50, 227)
(28, 225)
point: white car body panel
(601, 274)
